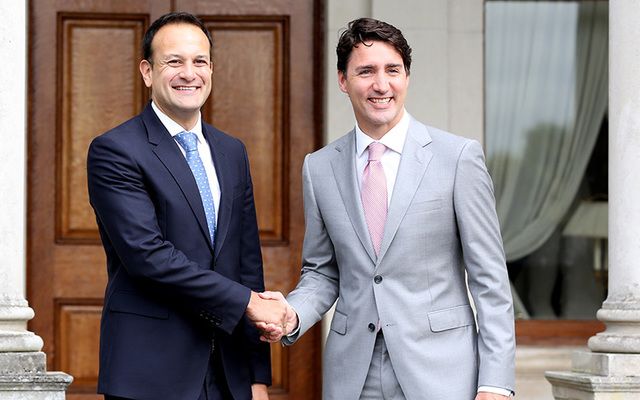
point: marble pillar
(23, 373)
(611, 369)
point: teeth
(385, 100)
(188, 88)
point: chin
(191, 106)
(381, 121)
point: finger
(270, 339)
(262, 326)
(265, 295)
(272, 329)
(268, 295)
(271, 295)
(268, 327)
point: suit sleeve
(128, 221)
(319, 283)
(486, 268)
(252, 276)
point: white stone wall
(13, 105)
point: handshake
(272, 315)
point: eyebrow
(361, 67)
(370, 66)
(181, 56)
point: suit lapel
(344, 171)
(415, 159)
(226, 187)
(166, 149)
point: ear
(342, 81)
(145, 71)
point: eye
(174, 62)
(365, 72)
(201, 62)
(394, 71)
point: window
(546, 90)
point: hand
(259, 392)
(266, 311)
(272, 333)
(490, 396)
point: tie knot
(376, 150)
(188, 141)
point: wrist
(253, 300)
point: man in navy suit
(174, 204)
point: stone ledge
(48, 382)
(22, 363)
(606, 364)
(578, 386)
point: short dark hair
(365, 31)
(171, 18)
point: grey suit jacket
(441, 222)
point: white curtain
(546, 96)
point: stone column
(611, 370)
(22, 365)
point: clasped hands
(272, 315)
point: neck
(186, 120)
(376, 132)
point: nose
(381, 83)
(187, 71)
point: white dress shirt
(394, 143)
(203, 150)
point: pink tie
(374, 195)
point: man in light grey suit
(390, 237)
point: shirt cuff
(496, 390)
(294, 333)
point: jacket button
(372, 327)
(377, 279)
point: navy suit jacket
(169, 292)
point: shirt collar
(174, 128)
(394, 139)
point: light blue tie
(189, 142)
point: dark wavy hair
(365, 31)
(171, 18)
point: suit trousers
(215, 383)
(214, 386)
(381, 382)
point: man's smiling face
(180, 72)
(376, 82)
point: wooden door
(84, 79)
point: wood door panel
(80, 272)
(93, 47)
(79, 357)
(84, 79)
